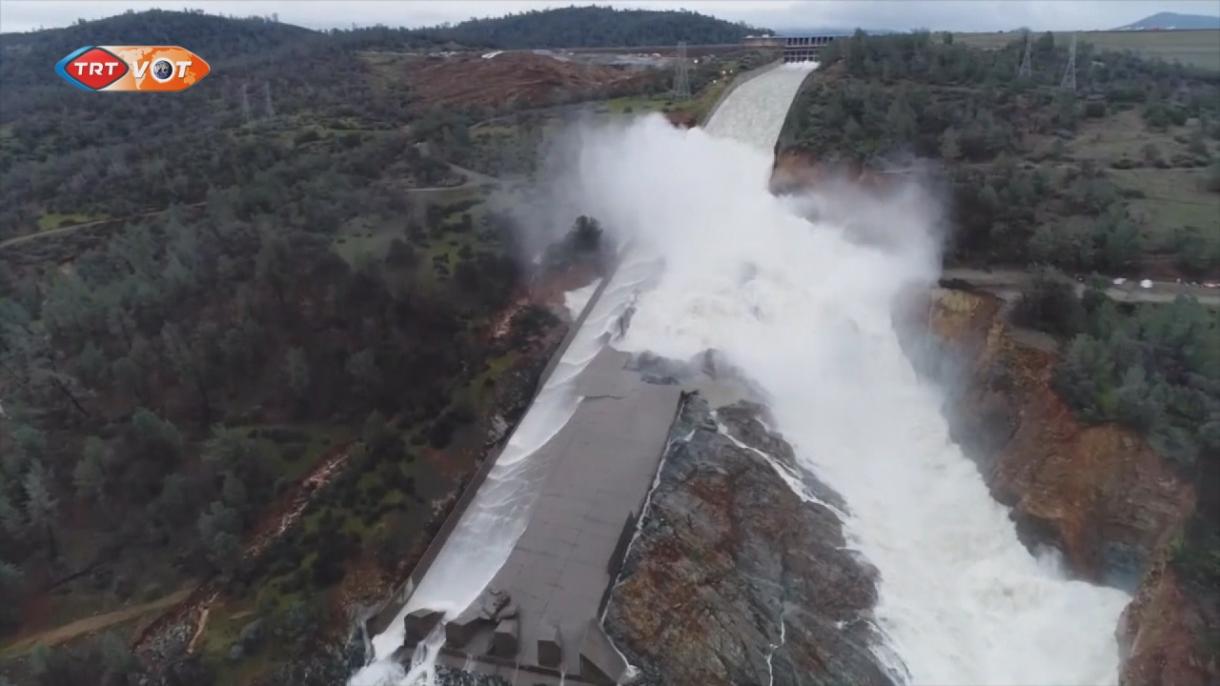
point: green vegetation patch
(55, 220)
(1171, 199)
(1193, 48)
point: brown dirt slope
(519, 79)
(1097, 492)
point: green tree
(1050, 304)
(1152, 154)
(11, 589)
(296, 372)
(1135, 404)
(586, 233)
(1085, 378)
(950, 149)
(89, 475)
(1117, 241)
(154, 438)
(1213, 177)
(230, 449)
(363, 369)
(900, 121)
(10, 517)
(989, 200)
(41, 506)
(233, 493)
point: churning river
(713, 260)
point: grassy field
(1195, 48)
(1173, 199)
(1173, 196)
(54, 220)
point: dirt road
(37, 235)
(90, 625)
(1009, 281)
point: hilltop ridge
(1165, 21)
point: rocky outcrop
(1166, 634)
(1098, 493)
(735, 579)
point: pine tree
(1135, 404)
(1085, 376)
(296, 370)
(40, 505)
(89, 475)
(233, 493)
(950, 149)
(10, 517)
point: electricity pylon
(1069, 76)
(1026, 70)
(681, 74)
(245, 102)
(268, 107)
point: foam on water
(806, 310)
(496, 518)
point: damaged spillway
(734, 474)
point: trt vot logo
(132, 68)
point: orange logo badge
(132, 68)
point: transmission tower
(1026, 71)
(269, 108)
(1069, 76)
(681, 74)
(245, 102)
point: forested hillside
(242, 360)
(577, 27)
(1120, 176)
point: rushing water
(497, 516)
(806, 310)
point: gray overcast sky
(980, 15)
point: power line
(245, 101)
(681, 74)
(1069, 75)
(1026, 70)
(269, 108)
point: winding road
(1009, 282)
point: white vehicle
(1146, 283)
(1119, 281)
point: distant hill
(27, 57)
(1172, 20)
(576, 27)
(832, 31)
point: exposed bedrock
(1098, 493)
(735, 579)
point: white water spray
(806, 310)
(496, 518)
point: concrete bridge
(795, 48)
(805, 48)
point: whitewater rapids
(806, 310)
